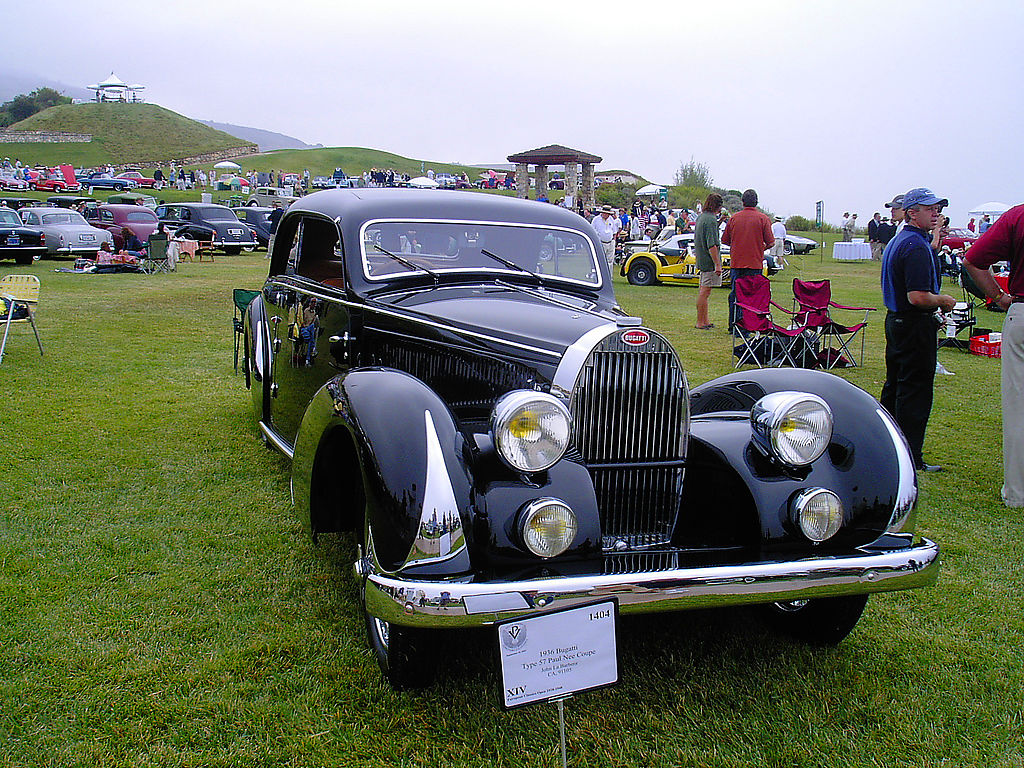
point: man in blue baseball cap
(911, 284)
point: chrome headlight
(818, 512)
(793, 427)
(530, 430)
(547, 527)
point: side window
(107, 216)
(319, 254)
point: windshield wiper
(512, 265)
(411, 265)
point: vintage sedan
(67, 232)
(214, 225)
(9, 181)
(103, 180)
(454, 383)
(141, 221)
(257, 219)
(18, 242)
(138, 178)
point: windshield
(442, 246)
(7, 216)
(68, 217)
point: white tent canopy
(993, 209)
(423, 182)
(228, 165)
(650, 189)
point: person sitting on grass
(133, 246)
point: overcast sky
(845, 102)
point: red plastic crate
(980, 345)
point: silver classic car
(67, 232)
(456, 388)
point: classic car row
(67, 232)
(455, 384)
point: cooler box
(989, 345)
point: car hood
(542, 320)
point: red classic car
(113, 218)
(138, 178)
(61, 179)
(8, 180)
(959, 238)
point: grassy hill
(352, 160)
(122, 133)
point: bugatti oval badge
(636, 338)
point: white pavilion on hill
(115, 89)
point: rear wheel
(821, 621)
(642, 272)
(23, 259)
(232, 250)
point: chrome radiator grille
(630, 407)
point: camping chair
(20, 297)
(156, 259)
(761, 340)
(243, 298)
(962, 316)
(813, 302)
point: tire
(119, 188)
(404, 654)
(253, 203)
(788, 249)
(23, 259)
(642, 272)
(821, 621)
(232, 250)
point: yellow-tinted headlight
(530, 430)
(547, 527)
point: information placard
(558, 653)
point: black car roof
(367, 203)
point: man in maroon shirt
(1004, 240)
(748, 235)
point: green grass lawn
(161, 606)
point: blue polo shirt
(909, 264)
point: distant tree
(693, 174)
(617, 195)
(22, 106)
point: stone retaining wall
(44, 137)
(214, 157)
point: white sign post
(554, 655)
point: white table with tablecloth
(851, 251)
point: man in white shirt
(778, 251)
(607, 226)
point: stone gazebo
(555, 154)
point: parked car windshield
(443, 246)
(7, 216)
(66, 217)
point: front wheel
(403, 654)
(788, 249)
(821, 621)
(642, 272)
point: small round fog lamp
(547, 527)
(819, 513)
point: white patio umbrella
(423, 182)
(227, 165)
(650, 189)
(993, 209)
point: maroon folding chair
(813, 302)
(761, 341)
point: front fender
(867, 462)
(413, 466)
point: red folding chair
(813, 302)
(761, 341)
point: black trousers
(910, 356)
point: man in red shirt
(748, 235)
(1004, 240)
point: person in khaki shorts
(707, 247)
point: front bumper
(470, 604)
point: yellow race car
(670, 260)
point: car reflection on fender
(458, 390)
